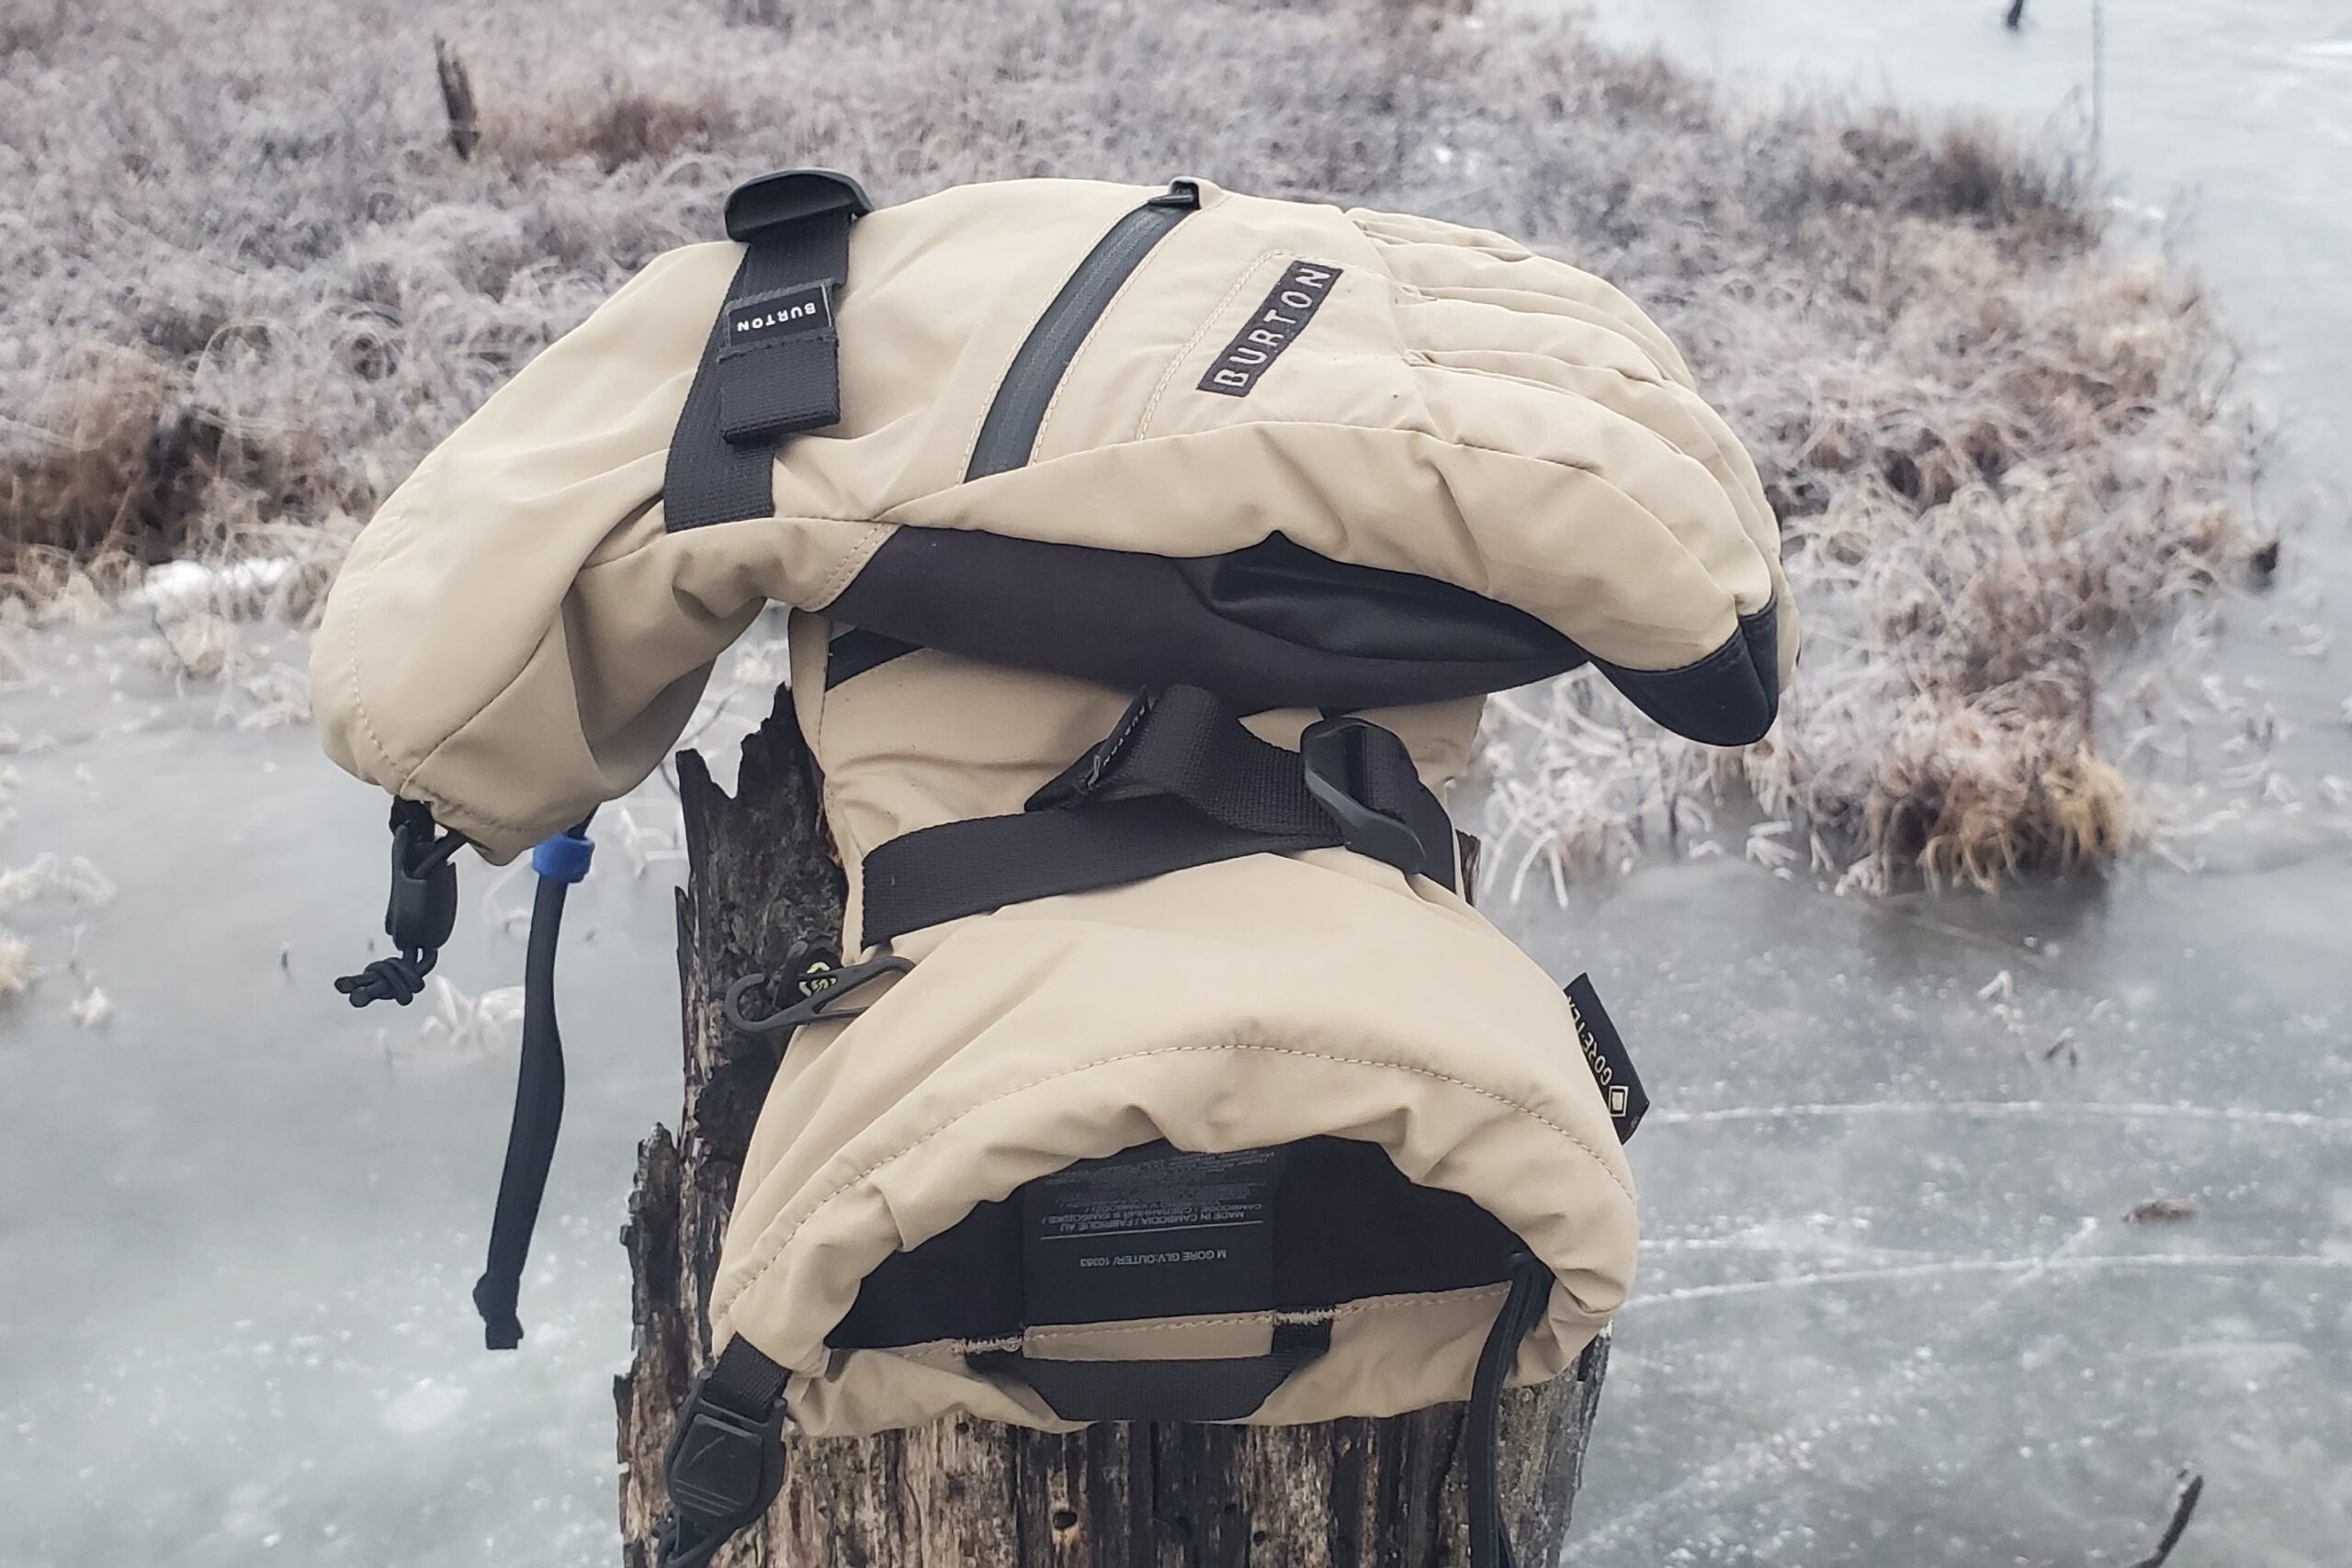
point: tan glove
(518, 636)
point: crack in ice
(2089, 1110)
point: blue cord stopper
(563, 858)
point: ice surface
(1891, 1311)
(1890, 1315)
(238, 1221)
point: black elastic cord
(1522, 1309)
(539, 1101)
(400, 978)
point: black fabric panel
(1348, 1227)
(963, 1283)
(856, 650)
(1762, 632)
(1135, 620)
(1144, 621)
(1728, 698)
(1287, 591)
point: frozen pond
(1892, 1309)
(239, 1222)
(1892, 1312)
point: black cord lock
(420, 914)
(423, 910)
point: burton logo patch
(1274, 326)
(780, 314)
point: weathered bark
(457, 99)
(967, 1493)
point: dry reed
(252, 281)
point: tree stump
(970, 1493)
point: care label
(1151, 1231)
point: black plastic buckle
(421, 911)
(821, 983)
(790, 196)
(1331, 756)
(723, 1469)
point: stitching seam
(1168, 376)
(1273, 1314)
(852, 561)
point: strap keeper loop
(792, 195)
(1091, 773)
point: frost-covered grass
(251, 282)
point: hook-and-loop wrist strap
(1180, 781)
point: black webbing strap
(1522, 1309)
(538, 1096)
(1180, 782)
(771, 365)
(1212, 1389)
(725, 1463)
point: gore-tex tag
(779, 313)
(1151, 1231)
(1621, 1086)
(1280, 316)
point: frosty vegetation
(252, 280)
